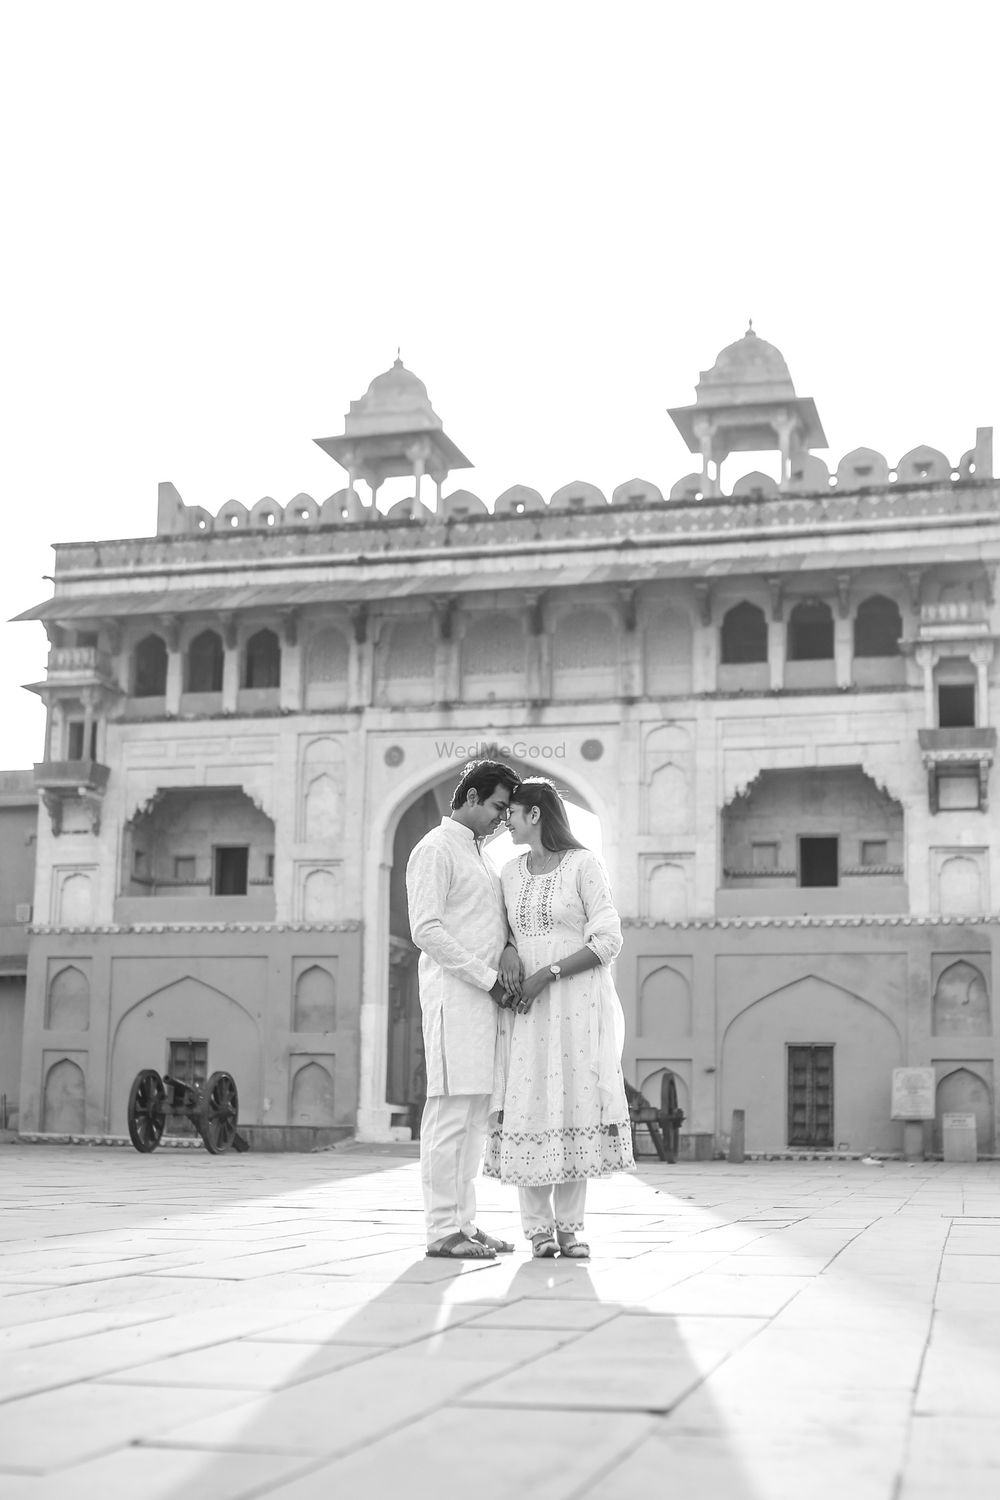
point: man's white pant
(560, 1206)
(452, 1137)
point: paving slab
(235, 1327)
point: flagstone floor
(186, 1327)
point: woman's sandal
(573, 1249)
(543, 1246)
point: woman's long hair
(539, 791)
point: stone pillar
(361, 665)
(982, 655)
(925, 661)
(230, 666)
(843, 650)
(290, 692)
(374, 1114)
(630, 660)
(175, 665)
(539, 671)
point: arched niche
(811, 1011)
(669, 799)
(187, 1007)
(76, 900)
(585, 654)
(67, 1004)
(312, 1101)
(667, 654)
(64, 1099)
(320, 890)
(965, 1091)
(810, 631)
(961, 1004)
(315, 1000)
(667, 896)
(664, 1005)
(960, 886)
(321, 808)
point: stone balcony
(67, 783)
(968, 744)
(79, 666)
(959, 619)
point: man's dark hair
(483, 777)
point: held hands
(532, 988)
(511, 975)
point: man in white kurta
(459, 923)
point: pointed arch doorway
(406, 1078)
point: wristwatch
(555, 970)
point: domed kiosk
(746, 403)
(393, 430)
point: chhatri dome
(749, 370)
(396, 401)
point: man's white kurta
(459, 923)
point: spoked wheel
(147, 1110)
(219, 1112)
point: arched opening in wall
(817, 838)
(203, 663)
(201, 853)
(406, 1077)
(878, 628)
(68, 1001)
(149, 668)
(810, 660)
(961, 1004)
(262, 661)
(743, 635)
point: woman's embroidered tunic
(559, 1097)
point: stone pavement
(184, 1327)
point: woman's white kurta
(457, 921)
(561, 1112)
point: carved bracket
(536, 613)
(628, 600)
(171, 627)
(776, 590)
(703, 594)
(359, 622)
(843, 581)
(290, 626)
(914, 582)
(444, 613)
(228, 622)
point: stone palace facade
(779, 702)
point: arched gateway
(421, 808)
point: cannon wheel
(147, 1110)
(671, 1116)
(218, 1113)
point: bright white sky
(222, 218)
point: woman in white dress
(560, 1115)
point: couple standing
(522, 1027)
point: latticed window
(583, 640)
(493, 647)
(411, 650)
(744, 635)
(877, 627)
(328, 657)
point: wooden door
(810, 1097)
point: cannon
(212, 1108)
(663, 1124)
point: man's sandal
(573, 1249)
(543, 1246)
(499, 1247)
(460, 1246)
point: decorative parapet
(384, 541)
(349, 924)
(987, 919)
